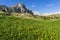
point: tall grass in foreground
(18, 28)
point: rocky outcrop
(5, 9)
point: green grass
(19, 28)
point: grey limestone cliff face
(21, 8)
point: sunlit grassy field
(19, 28)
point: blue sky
(42, 6)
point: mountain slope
(19, 28)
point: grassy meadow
(21, 28)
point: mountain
(17, 8)
(21, 8)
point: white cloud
(51, 13)
(36, 13)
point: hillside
(22, 28)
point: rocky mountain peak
(21, 8)
(18, 8)
(19, 5)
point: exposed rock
(21, 8)
(18, 8)
(3, 8)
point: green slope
(19, 28)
